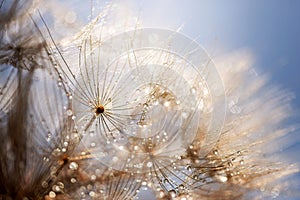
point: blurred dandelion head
(113, 110)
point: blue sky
(270, 29)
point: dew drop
(161, 194)
(69, 112)
(193, 90)
(181, 187)
(73, 166)
(189, 168)
(149, 164)
(223, 179)
(44, 184)
(172, 193)
(93, 177)
(60, 185)
(166, 180)
(92, 193)
(144, 183)
(73, 180)
(216, 152)
(52, 194)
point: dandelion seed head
(114, 113)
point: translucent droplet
(205, 91)
(167, 103)
(144, 183)
(216, 152)
(73, 166)
(193, 90)
(161, 194)
(69, 112)
(93, 177)
(115, 159)
(44, 184)
(60, 185)
(149, 164)
(189, 168)
(52, 194)
(172, 193)
(275, 193)
(73, 180)
(56, 188)
(92, 193)
(166, 180)
(223, 178)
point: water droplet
(93, 177)
(144, 183)
(60, 185)
(161, 194)
(149, 164)
(172, 193)
(216, 152)
(193, 90)
(181, 187)
(195, 177)
(56, 188)
(115, 159)
(44, 184)
(167, 103)
(73, 166)
(205, 91)
(189, 168)
(92, 193)
(73, 180)
(52, 194)
(69, 112)
(223, 178)
(242, 162)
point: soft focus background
(269, 30)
